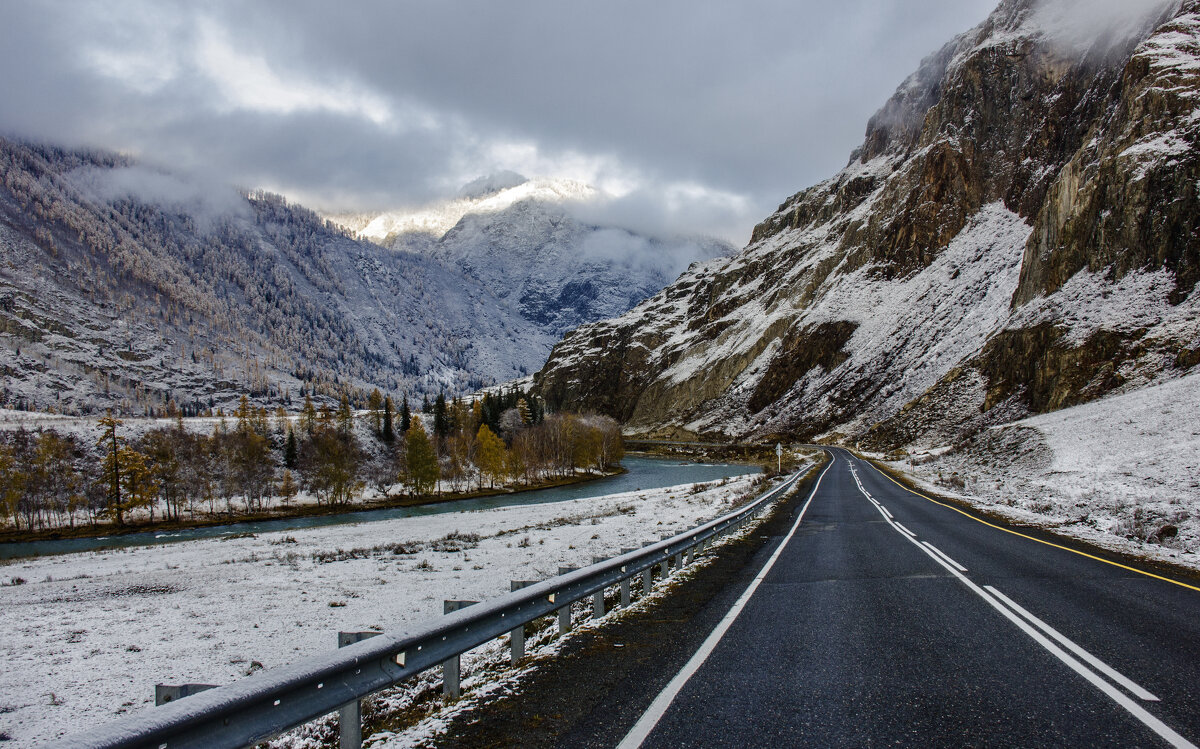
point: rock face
(1017, 233)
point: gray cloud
(730, 106)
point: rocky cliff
(1017, 233)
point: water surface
(642, 473)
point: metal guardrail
(273, 701)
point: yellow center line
(1031, 538)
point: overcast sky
(702, 116)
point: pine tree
(291, 450)
(405, 416)
(441, 422)
(389, 433)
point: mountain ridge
(940, 282)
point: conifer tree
(308, 417)
(12, 483)
(291, 451)
(405, 416)
(441, 421)
(375, 405)
(423, 469)
(287, 487)
(111, 444)
(490, 456)
(345, 417)
(389, 433)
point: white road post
(779, 458)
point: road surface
(886, 618)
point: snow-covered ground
(1122, 472)
(87, 636)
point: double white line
(1047, 637)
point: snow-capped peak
(484, 195)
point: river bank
(298, 510)
(638, 473)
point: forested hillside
(129, 288)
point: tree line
(255, 460)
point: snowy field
(1122, 472)
(87, 636)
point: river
(641, 473)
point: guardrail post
(516, 637)
(647, 574)
(564, 614)
(350, 714)
(164, 693)
(598, 596)
(665, 566)
(626, 593)
(450, 667)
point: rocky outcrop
(1017, 233)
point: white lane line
(1130, 685)
(905, 530)
(1116, 695)
(945, 557)
(658, 708)
(887, 512)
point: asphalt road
(858, 633)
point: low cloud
(669, 211)
(670, 256)
(1099, 26)
(730, 109)
(208, 202)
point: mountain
(1018, 233)
(127, 287)
(522, 240)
